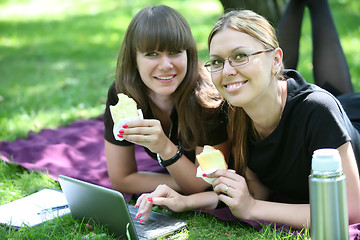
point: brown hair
(162, 28)
(240, 124)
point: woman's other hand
(233, 191)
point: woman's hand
(233, 191)
(163, 196)
(147, 133)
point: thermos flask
(328, 206)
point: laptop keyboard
(149, 223)
(156, 225)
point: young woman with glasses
(158, 67)
(276, 121)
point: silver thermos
(328, 206)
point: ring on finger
(226, 189)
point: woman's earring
(276, 72)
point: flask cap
(326, 160)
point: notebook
(108, 207)
(34, 209)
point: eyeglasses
(235, 60)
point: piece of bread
(126, 107)
(211, 158)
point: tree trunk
(270, 9)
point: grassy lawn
(57, 60)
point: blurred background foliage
(58, 57)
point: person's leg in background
(289, 32)
(331, 71)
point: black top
(216, 133)
(312, 119)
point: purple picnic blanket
(77, 151)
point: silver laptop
(108, 207)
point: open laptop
(108, 207)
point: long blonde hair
(240, 124)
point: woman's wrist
(255, 209)
(168, 152)
(202, 200)
(187, 203)
(167, 162)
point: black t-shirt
(312, 119)
(216, 133)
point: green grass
(17, 182)
(57, 60)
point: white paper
(121, 123)
(200, 172)
(34, 209)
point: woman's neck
(161, 104)
(266, 114)
(161, 107)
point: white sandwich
(125, 108)
(211, 158)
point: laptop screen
(108, 207)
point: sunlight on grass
(22, 183)
(59, 9)
(22, 123)
(351, 4)
(201, 7)
(56, 9)
(11, 42)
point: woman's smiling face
(162, 72)
(240, 85)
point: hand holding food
(124, 111)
